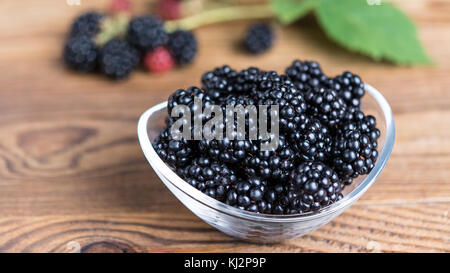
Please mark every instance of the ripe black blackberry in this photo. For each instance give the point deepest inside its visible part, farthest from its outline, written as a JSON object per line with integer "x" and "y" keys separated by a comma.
{"x": 354, "y": 150}
{"x": 274, "y": 165}
{"x": 249, "y": 195}
{"x": 176, "y": 153}
{"x": 306, "y": 75}
{"x": 326, "y": 105}
{"x": 251, "y": 82}
{"x": 227, "y": 150}
{"x": 147, "y": 33}
{"x": 187, "y": 97}
{"x": 118, "y": 59}
{"x": 316, "y": 184}
{"x": 256, "y": 83}
{"x": 81, "y": 53}
{"x": 289, "y": 100}
{"x": 87, "y": 24}
{"x": 311, "y": 140}
{"x": 259, "y": 38}
{"x": 183, "y": 46}
{"x": 218, "y": 82}
{"x": 350, "y": 87}
{"x": 212, "y": 178}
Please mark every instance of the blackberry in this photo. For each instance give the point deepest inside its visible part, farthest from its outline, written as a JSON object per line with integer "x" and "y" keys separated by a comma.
{"x": 176, "y": 153}
{"x": 186, "y": 97}
{"x": 274, "y": 165}
{"x": 316, "y": 184}
{"x": 118, "y": 59}
{"x": 183, "y": 46}
{"x": 355, "y": 147}
{"x": 289, "y": 100}
{"x": 326, "y": 105}
{"x": 87, "y": 24}
{"x": 311, "y": 140}
{"x": 147, "y": 33}
{"x": 306, "y": 75}
{"x": 249, "y": 195}
{"x": 252, "y": 83}
{"x": 228, "y": 151}
{"x": 213, "y": 178}
{"x": 81, "y": 53}
{"x": 259, "y": 38}
{"x": 350, "y": 87}
{"x": 218, "y": 82}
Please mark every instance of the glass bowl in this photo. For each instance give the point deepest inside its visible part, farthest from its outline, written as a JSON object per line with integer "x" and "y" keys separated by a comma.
{"x": 258, "y": 227}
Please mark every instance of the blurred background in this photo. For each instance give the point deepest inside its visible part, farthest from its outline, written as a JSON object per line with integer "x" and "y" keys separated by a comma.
{"x": 72, "y": 172}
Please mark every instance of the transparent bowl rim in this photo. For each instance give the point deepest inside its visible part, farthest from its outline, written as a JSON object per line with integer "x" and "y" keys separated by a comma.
{"x": 162, "y": 169}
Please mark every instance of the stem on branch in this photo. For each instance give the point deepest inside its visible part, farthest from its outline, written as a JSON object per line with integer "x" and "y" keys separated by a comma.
{"x": 224, "y": 14}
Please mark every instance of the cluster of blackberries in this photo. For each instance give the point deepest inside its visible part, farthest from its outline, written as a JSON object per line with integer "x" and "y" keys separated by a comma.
{"x": 145, "y": 41}
{"x": 325, "y": 140}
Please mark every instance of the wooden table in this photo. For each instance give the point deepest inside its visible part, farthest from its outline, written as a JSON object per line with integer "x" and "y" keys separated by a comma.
{"x": 71, "y": 169}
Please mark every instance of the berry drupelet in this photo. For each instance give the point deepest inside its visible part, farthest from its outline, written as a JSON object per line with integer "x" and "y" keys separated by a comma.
{"x": 259, "y": 38}
{"x": 118, "y": 59}
{"x": 81, "y": 53}
{"x": 147, "y": 33}
{"x": 183, "y": 46}
{"x": 87, "y": 24}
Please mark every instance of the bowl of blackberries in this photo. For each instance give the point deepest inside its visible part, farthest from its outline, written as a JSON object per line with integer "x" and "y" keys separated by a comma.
{"x": 334, "y": 136}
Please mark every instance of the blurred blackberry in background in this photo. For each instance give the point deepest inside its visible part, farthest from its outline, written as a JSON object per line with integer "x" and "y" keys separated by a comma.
{"x": 183, "y": 46}
{"x": 147, "y": 33}
{"x": 311, "y": 140}
{"x": 87, "y": 24}
{"x": 118, "y": 59}
{"x": 317, "y": 186}
{"x": 81, "y": 53}
{"x": 259, "y": 38}
{"x": 354, "y": 149}
{"x": 326, "y": 105}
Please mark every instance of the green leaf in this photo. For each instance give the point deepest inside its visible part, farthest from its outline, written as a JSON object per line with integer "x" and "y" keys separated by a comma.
{"x": 289, "y": 11}
{"x": 380, "y": 31}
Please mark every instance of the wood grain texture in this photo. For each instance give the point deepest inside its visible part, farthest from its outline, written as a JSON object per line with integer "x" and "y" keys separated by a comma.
{"x": 71, "y": 169}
